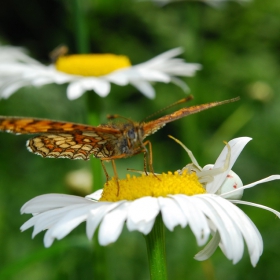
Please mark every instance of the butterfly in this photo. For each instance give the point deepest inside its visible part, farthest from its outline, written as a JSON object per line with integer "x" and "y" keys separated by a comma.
{"x": 58, "y": 139}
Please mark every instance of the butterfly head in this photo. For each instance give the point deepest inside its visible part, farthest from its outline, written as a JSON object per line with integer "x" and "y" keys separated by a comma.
{"x": 132, "y": 139}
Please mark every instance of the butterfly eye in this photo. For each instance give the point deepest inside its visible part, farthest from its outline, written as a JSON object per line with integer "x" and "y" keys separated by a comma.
{"x": 131, "y": 134}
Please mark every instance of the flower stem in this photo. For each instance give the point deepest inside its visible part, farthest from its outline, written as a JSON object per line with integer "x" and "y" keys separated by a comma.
{"x": 80, "y": 26}
{"x": 155, "y": 242}
{"x": 99, "y": 255}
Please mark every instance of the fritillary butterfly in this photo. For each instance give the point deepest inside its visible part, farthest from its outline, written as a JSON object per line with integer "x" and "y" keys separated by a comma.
{"x": 111, "y": 141}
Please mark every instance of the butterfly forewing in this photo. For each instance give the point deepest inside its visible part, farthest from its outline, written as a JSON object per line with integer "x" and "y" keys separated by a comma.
{"x": 22, "y": 125}
{"x": 64, "y": 139}
{"x": 153, "y": 126}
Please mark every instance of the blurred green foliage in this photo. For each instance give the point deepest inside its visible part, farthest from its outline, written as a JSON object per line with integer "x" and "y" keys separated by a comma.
{"x": 238, "y": 46}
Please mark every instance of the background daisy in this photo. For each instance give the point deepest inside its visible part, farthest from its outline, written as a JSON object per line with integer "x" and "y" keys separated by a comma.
{"x": 91, "y": 72}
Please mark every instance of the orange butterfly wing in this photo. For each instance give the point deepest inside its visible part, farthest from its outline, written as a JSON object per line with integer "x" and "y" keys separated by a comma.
{"x": 22, "y": 125}
{"x": 152, "y": 126}
{"x": 64, "y": 139}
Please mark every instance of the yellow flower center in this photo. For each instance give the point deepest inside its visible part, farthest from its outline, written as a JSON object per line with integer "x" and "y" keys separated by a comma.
{"x": 164, "y": 184}
{"x": 91, "y": 64}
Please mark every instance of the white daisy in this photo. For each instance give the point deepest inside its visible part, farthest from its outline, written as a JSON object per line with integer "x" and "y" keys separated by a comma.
{"x": 214, "y": 3}
{"x": 91, "y": 72}
{"x": 183, "y": 198}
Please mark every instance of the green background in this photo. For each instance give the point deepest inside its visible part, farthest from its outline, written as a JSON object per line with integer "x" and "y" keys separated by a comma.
{"x": 238, "y": 46}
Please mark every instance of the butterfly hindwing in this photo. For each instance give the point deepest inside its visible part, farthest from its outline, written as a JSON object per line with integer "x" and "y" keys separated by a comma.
{"x": 73, "y": 146}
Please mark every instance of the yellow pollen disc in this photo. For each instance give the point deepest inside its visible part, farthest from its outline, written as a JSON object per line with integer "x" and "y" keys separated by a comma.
{"x": 91, "y": 64}
{"x": 164, "y": 184}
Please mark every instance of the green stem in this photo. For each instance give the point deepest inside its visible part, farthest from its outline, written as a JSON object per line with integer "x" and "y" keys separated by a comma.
{"x": 99, "y": 254}
{"x": 80, "y": 26}
{"x": 155, "y": 242}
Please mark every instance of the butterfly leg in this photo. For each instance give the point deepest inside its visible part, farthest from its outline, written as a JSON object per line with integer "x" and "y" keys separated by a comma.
{"x": 148, "y": 153}
{"x": 147, "y": 157}
{"x": 116, "y": 176}
{"x": 145, "y": 162}
{"x": 150, "y": 156}
{"x": 105, "y": 171}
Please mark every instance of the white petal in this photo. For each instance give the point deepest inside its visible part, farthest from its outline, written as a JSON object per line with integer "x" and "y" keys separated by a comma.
{"x": 142, "y": 213}
{"x": 96, "y": 215}
{"x": 8, "y": 89}
{"x": 145, "y": 88}
{"x": 70, "y": 221}
{"x": 48, "y": 239}
{"x": 163, "y": 57}
{"x": 75, "y": 90}
{"x": 40, "y": 81}
{"x": 96, "y": 195}
{"x": 100, "y": 86}
{"x": 120, "y": 77}
{"x": 30, "y": 223}
{"x": 194, "y": 216}
{"x": 230, "y": 236}
{"x": 47, "y": 219}
{"x": 209, "y": 249}
{"x": 249, "y": 231}
{"x": 150, "y": 75}
{"x": 57, "y": 76}
{"x": 112, "y": 225}
{"x": 50, "y": 201}
{"x": 10, "y": 53}
{"x": 172, "y": 214}
{"x": 237, "y": 146}
{"x": 67, "y": 223}
{"x": 178, "y": 82}
{"x": 183, "y": 69}
{"x": 256, "y": 205}
{"x": 267, "y": 179}
{"x": 237, "y": 225}
{"x": 51, "y": 218}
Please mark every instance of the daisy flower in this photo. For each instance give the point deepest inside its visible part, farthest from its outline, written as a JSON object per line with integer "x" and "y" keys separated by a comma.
{"x": 91, "y": 72}
{"x": 203, "y": 198}
{"x": 214, "y": 3}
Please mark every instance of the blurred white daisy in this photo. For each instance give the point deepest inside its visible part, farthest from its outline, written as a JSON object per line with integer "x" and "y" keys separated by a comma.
{"x": 91, "y": 72}
{"x": 194, "y": 197}
{"x": 214, "y": 3}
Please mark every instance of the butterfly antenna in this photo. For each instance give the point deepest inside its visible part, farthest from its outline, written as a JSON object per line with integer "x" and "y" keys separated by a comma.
{"x": 116, "y": 116}
{"x": 184, "y": 100}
